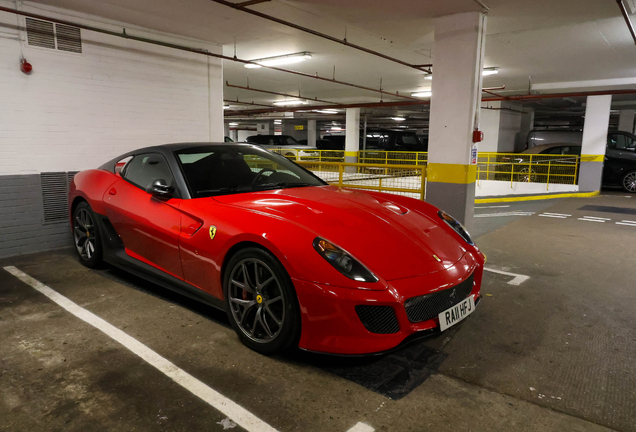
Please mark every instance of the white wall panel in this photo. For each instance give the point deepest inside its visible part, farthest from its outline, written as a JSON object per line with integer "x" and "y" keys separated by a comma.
{"x": 76, "y": 111}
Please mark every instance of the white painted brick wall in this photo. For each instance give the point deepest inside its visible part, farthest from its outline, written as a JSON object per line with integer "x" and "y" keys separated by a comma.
{"x": 76, "y": 111}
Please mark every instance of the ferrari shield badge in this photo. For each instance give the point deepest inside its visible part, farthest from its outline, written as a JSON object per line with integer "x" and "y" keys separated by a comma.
{"x": 434, "y": 256}
{"x": 212, "y": 232}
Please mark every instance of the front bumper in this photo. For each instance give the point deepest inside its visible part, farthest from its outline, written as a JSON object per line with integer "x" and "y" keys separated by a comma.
{"x": 330, "y": 323}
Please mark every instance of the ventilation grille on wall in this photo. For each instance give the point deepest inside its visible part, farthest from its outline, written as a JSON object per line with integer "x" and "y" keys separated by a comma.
{"x": 55, "y": 195}
{"x": 45, "y": 34}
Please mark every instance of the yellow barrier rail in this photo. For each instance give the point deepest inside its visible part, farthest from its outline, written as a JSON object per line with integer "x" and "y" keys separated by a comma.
{"x": 511, "y": 167}
{"x": 528, "y": 168}
{"x": 409, "y": 180}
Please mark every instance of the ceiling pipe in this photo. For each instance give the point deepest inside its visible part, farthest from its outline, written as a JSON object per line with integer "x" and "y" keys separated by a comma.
{"x": 279, "y": 94}
{"x": 246, "y": 103}
{"x": 241, "y": 7}
{"x": 204, "y": 52}
{"x": 630, "y": 26}
{"x": 424, "y": 102}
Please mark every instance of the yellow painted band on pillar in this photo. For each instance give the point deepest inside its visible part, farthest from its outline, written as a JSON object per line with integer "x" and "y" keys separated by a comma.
{"x": 351, "y": 154}
{"x": 537, "y": 197}
{"x": 592, "y": 158}
{"x": 451, "y": 173}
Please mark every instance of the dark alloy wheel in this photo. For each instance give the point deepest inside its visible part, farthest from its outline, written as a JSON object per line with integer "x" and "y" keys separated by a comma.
{"x": 261, "y": 301}
{"x": 629, "y": 181}
{"x": 86, "y": 236}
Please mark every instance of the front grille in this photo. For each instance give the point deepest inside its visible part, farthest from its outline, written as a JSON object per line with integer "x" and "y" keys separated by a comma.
{"x": 378, "y": 319}
{"x": 429, "y": 306}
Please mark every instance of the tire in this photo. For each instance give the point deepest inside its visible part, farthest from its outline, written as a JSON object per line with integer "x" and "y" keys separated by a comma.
{"x": 86, "y": 237}
{"x": 526, "y": 175}
{"x": 628, "y": 182}
{"x": 261, "y": 301}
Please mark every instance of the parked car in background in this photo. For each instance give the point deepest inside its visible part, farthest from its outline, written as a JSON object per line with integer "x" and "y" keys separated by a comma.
{"x": 280, "y": 143}
{"x": 228, "y": 139}
{"x": 619, "y": 167}
{"x": 379, "y": 139}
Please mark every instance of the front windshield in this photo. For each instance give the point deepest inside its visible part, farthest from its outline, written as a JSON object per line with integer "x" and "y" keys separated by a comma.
{"x": 226, "y": 169}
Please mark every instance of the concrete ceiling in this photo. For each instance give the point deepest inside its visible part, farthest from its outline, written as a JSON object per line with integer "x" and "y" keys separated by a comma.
{"x": 552, "y": 41}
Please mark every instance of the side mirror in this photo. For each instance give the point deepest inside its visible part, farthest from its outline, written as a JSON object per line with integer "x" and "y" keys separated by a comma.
{"x": 160, "y": 189}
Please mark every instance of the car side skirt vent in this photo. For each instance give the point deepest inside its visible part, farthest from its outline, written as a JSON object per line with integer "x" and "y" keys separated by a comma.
{"x": 426, "y": 307}
{"x": 378, "y": 319}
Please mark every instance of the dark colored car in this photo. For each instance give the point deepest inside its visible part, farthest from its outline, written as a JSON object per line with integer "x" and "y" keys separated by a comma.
{"x": 274, "y": 141}
{"x": 619, "y": 168}
{"x": 380, "y": 139}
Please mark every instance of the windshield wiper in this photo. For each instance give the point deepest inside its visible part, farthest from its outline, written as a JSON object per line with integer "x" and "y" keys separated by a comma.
{"x": 282, "y": 183}
{"x": 219, "y": 190}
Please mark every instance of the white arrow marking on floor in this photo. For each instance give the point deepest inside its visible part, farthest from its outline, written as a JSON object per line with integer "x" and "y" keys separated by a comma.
{"x": 237, "y": 413}
{"x": 518, "y": 278}
{"x": 361, "y": 427}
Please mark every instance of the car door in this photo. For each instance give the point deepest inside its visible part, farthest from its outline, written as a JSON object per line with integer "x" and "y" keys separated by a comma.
{"x": 619, "y": 157}
{"x": 149, "y": 227}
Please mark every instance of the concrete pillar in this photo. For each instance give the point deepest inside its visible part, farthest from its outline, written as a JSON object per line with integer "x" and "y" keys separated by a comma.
{"x": 626, "y": 121}
{"x": 458, "y": 53}
{"x": 352, "y": 138}
{"x": 527, "y": 124}
{"x": 215, "y": 99}
{"x": 597, "y": 114}
{"x": 311, "y": 133}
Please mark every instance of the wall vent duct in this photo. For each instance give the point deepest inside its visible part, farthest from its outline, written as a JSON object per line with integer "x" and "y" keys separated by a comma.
{"x": 45, "y": 34}
{"x": 55, "y": 187}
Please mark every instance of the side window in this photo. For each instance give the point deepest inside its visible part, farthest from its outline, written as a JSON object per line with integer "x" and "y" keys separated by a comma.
{"x": 144, "y": 169}
{"x": 617, "y": 141}
{"x": 630, "y": 143}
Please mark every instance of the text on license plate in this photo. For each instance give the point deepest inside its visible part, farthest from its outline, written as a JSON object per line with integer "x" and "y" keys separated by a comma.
{"x": 456, "y": 313}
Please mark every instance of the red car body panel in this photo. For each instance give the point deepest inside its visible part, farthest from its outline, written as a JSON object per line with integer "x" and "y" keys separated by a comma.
{"x": 393, "y": 236}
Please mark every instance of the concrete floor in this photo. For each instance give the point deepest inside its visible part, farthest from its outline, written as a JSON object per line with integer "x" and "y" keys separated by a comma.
{"x": 554, "y": 353}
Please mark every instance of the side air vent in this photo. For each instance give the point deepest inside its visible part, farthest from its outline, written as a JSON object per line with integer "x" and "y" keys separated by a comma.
{"x": 378, "y": 319}
{"x": 55, "y": 195}
{"x": 68, "y": 38}
{"x": 45, "y": 34}
{"x": 40, "y": 33}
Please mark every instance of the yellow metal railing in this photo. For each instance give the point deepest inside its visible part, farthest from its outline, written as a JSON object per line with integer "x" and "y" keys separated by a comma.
{"x": 409, "y": 180}
{"x": 529, "y": 168}
{"x": 510, "y": 167}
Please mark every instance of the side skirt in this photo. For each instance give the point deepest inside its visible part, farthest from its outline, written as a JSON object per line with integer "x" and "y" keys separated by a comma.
{"x": 115, "y": 254}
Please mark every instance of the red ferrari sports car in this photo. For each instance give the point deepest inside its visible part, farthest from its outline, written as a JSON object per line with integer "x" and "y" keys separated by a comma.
{"x": 292, "y": 260}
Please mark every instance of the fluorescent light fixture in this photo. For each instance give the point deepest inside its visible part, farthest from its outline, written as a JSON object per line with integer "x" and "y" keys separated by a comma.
{"x": 226, "y": 107}
{"x": 398, "y": 118}
{"x": 327, "y": 111}
{"x": 336, "y": 129}
{"x": 490, "y": 71}
{"x": 279, "y": 60}
{"x": 233, "y": 124}
{"x": 290, "y": 102}
{"x": 426, "y": 93}
{"x": 428, "y": 77}
{"x": 278, "y": 122}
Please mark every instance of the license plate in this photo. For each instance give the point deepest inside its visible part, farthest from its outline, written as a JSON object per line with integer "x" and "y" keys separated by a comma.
{"x": 453, "y": 315}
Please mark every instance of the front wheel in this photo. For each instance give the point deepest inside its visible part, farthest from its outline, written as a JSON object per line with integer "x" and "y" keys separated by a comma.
{"x": 261, "y": 301}
{"x": 629, "y": 181}
{"x": 86, "y": 236}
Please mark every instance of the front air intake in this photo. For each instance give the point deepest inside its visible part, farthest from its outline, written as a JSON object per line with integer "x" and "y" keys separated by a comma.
{"x": 378, "y": 319}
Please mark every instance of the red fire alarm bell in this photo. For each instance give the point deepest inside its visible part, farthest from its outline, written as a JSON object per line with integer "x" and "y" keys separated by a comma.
{"x": 478, "y": 136}
{"x": 25, "y": 66}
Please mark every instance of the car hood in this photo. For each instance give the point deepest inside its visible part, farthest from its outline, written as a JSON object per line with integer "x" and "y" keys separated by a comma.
{"x": 393, "y": 241}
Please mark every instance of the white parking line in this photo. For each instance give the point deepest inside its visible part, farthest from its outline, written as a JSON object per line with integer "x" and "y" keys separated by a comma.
{"x": 237, "y": 413}
{"x": 626, "y": 223}
{"x": 553, "y": 216}
{"x": 594, "y": 217}
{"x": 503, "y": 206}
{"x": 589, "y": 219}
{"x": 504, "y": 214}
{"x": 361, "y": 427}
{"x": 518, "y": 278}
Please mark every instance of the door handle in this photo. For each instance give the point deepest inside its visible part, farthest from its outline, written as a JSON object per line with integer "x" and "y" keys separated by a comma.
{"x": 112, "y": 191}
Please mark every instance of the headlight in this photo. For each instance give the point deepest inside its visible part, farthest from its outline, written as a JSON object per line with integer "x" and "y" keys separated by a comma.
{"x": 343, "y": 262}
{"x": 455, "y": 225}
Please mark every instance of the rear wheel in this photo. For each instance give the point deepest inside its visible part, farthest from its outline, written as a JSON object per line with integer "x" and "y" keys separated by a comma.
{"x": 629, "y": 181}
{"x": 86, "y": 236}
{"x": 261, "y": 301}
